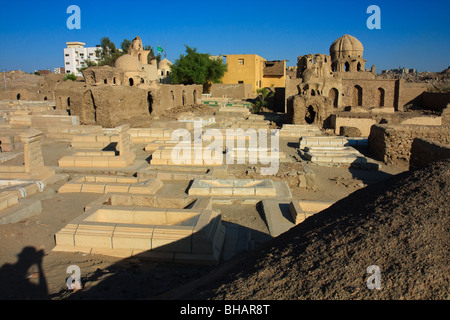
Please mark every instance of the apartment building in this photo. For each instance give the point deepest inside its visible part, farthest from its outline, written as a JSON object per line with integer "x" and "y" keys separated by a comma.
{"x": 75, "y": 56}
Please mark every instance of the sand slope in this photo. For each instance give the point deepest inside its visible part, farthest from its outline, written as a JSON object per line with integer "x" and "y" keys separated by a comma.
{"x": 401, "y": 226}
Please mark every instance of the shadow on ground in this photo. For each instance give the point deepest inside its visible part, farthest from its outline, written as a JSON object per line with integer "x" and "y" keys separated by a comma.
{"x": 139, "y": 278}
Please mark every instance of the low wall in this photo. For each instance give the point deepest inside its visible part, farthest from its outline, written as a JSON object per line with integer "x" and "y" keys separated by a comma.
{"x": 392, "y": 143}
{"x": 233, "y": 91}
{"x": 364, "y": 121}
{"x": 425, "y": 151}
{"x": 69, "y": 131}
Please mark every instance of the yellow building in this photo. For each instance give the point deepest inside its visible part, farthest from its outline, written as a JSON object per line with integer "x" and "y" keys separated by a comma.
{"x": 255, "y": 70}
{"x": 274, "y": 74}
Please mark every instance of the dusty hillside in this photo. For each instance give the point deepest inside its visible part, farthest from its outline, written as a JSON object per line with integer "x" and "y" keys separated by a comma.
{"x": 401, "y": 226}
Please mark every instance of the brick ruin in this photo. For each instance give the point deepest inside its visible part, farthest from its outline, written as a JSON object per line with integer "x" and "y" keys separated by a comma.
{"x": 113, "y": 105}
{"x": 323, "y": 86}
{"x": 131, "y": 90}
{"x": 148, "y": 204}
{"x": 392, "y": 143}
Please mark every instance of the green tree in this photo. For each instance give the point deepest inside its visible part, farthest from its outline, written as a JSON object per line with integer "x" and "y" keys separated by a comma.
{"x": 197, "y": 68}
{"x": 71, "y": 76}
{"x": 261, "y": 101}
{"x": 109, "y": 53}
{"x": 125, "y": 45}
{"x": 151, "y": 56}
{"x": 88, "y": 63}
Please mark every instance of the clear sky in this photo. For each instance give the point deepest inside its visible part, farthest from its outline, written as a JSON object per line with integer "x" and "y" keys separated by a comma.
{"x": 413, "y": 34}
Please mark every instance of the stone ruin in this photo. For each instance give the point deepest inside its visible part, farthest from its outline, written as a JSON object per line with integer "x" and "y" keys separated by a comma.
{"x": 150, "y": 206}
{"x": 19, "y": 182}
{"x": 335, "y": 91}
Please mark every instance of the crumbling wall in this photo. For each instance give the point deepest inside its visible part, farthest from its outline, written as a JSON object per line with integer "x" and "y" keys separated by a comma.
{"x": 98, "y": 75}
{"x": 364, "y": 120}
{"x": 446, "y": 116}
{"x": 374, "y": 93}
{"x": 232, "y": 91}
{"x": 177, "y": 95}
{"x": 425, "y": 151}
{"x": 392, "y": 143}
{"x": 112, "y": 106}
{"x": 309, "y": 109}
{"x": 107, "y": 106}
{"x": 29, "y": 87}
{"x": 69, "y": 97}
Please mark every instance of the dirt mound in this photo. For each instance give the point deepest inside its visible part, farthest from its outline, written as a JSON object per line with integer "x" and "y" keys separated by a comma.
{"x": 401, "y": 226}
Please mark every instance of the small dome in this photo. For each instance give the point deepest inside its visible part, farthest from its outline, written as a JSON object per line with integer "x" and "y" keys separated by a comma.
{"x": 345, "y": 46}
{"x": 128, "y": 63}
{"x": 164, "y": 64}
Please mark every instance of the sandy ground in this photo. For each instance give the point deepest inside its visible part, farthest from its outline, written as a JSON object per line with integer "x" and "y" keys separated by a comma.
{"x": 35, "y": 271}
{"x": 388, "y": 241}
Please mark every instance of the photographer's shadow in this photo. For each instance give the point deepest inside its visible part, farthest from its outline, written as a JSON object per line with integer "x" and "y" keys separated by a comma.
{"x": 16, "y": 281}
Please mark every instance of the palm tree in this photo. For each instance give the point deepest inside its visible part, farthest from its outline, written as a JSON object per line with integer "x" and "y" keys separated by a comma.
{"x": 261, "y": 102}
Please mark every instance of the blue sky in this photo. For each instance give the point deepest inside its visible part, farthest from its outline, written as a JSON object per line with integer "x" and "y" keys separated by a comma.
{"x": 414, "y": 34}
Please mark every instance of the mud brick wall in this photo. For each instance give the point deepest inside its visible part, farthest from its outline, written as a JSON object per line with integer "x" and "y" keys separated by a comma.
{"x": 364, "y": 121}
{"x": 424, "y": 151}
{"x": 392, "y": 143}
{"x": 446, "y": 116}
{"x": 234, "y": 91}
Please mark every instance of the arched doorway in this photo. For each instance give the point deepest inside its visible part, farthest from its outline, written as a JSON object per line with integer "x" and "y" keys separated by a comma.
{"x": 89, "y": 109}
{"x": 68, "y": 106}
{"x": 334, "y": 67}
{"x": 18, "y": 96}
{"x": 381, "y": 95}
{"x": 310, "y": 115}
{"x": 334, "y": 96}
{"x": 131, "y": 81}
{"x": 172, "y": 99}
{"x": 150, "y": 103}
{"x": 357, "y": 96}
{"x": 358, "y": 66}
{"x": 347, "y": 66}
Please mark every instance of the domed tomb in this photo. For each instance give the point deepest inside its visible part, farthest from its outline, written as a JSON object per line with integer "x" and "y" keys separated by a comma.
{"x": 347, "y": 54}
{"x": 128, "y": 63}
{"x": 346, "y": 46}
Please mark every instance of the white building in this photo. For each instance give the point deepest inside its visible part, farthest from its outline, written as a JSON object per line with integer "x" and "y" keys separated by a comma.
{"x": 75, "y": 55}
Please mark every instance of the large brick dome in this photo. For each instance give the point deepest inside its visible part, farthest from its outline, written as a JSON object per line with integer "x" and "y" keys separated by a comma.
{"x": 346, "y": 46}
{"x": 128, "y": 63}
